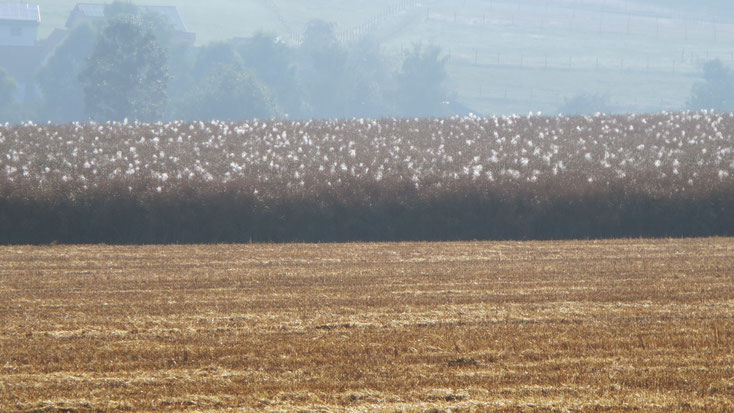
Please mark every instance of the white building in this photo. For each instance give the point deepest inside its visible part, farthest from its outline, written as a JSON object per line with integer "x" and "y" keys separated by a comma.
{"x": 19, "y": 24}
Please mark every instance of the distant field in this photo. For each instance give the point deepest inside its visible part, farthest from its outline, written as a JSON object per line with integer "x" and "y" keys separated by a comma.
{"x": 596, "y": 326}
{"x": 224, "y": 19}
{"x": 506, "y": 57}
{"x": 513, "y": 57}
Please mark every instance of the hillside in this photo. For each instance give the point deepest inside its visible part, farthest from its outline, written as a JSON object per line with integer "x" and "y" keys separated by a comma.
{"x": 506, "y": 57}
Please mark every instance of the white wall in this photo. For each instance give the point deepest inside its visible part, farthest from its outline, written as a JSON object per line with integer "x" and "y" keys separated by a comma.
{"x": 14, "y": 34}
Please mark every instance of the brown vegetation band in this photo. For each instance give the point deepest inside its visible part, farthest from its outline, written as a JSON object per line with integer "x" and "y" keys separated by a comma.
{"x": 390, "y": 179}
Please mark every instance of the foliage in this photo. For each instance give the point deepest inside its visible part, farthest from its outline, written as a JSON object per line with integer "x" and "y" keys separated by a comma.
{"x": 9, "y": 105}
{"x": 430, "y": 179}
{"x": 421, "y": 82}
{"x": 229, "y": 92}
{"x": 340, "y": 81}
{"x": 126, "y": 75}
{"x": 370, "y": 81}
{"x": 323, "y": 71}
{"x": 716, "y": 91}
{"x": 134, "y": 69}
{"x": 211, "y": 57}
{"x": 120, "y": 8}
{"x": 219, "y": 86}
{"x": 63, "y": 98}
{"x": 586, "y": 104}
{"x": 274, "y": 64}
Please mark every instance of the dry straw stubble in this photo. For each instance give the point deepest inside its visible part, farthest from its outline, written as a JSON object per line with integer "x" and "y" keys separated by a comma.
{"x": 608, "y": 325}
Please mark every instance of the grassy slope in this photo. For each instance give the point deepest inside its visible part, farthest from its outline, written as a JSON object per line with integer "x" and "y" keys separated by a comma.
{"x": 504, "y": 58}
{"x": 598, "y": 326}
{"x": 541, "y": 55}
{"x": 223, "y": 19}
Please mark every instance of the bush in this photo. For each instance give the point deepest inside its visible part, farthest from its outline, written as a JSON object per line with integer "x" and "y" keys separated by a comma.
{"x": 369, "y": 180}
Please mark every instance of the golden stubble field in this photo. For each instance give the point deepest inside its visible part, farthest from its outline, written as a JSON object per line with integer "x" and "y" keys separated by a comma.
{"x": 550, "y": 326}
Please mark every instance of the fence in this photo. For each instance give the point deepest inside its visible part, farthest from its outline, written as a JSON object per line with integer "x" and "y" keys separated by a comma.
{"x": 577, "y": 35}
{"x": 349, "y": 35}
{"x": 578, "y": 17}
{"x": 290, "y": 35}
{"x": 377, "y": 21}
{"x": 687, "y": 61}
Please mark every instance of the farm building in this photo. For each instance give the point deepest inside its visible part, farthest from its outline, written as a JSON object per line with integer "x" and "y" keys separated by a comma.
{"x": 91, "y": 12}
{"x": 20, "y": 51}
{"x": 19, "y": 24}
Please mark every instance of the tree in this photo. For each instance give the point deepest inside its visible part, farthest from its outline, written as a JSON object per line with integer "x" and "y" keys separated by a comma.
{"x": 368, "y": 81}
{"x": 213, "y": 56}
{"x": 421, "y": 89}
{"x": 187, "y": 85}
{"x": 323, "y": 72}
{"x": 9, "y": 106}
{"x": 157, "y": 23}
{"x": 63, "y": 98}
{"x": 586, "y": 103}
{"x": 717, "y": 89}
{"x": 274, "y": 63}
{"x": 126, "y": 75}
{"x": 341, "y": 81}
{"x": 120, "y": 8}
{"x": 229, "y": 92}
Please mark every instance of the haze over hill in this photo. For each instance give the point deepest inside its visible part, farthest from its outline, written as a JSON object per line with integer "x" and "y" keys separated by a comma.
{"x": 503, "y": 56}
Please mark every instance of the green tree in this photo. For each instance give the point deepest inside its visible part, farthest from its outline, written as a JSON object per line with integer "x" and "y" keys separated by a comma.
{"x": 421, "y": 82}
{"x": 323, "y": 72}
{"x": 120, "y": 9}
{"x": 9, "y": 106}
{"x": 274, "y": 63}
{"x": 341, "y": 81}
{"x": 213, "y": 56}
{"x": 191, "y": 72}
{"x": 229, "y": 92}
{"x": 126, "y": 76}
{"x": 586, "y": 104}
{"x": 155, "y": 22}
{"x": 717, "y": 89}
{"x": 58, "y": 79}
{"x": 369, "y": 81}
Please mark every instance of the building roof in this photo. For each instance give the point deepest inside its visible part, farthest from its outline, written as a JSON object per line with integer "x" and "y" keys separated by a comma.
{"x": 91, "y": 10}
{"x": 96, "y": 11}
{"x": 22, "y": 12}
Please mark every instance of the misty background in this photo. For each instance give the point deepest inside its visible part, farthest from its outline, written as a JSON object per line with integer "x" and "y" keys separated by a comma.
{"x": 61, "y": 61}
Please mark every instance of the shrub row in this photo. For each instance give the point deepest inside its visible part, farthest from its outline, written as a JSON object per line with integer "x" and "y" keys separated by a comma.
{"x": 359, "y": 212}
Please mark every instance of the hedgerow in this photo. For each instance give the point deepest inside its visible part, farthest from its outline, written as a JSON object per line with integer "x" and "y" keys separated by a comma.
{"x": 531, "y": 177}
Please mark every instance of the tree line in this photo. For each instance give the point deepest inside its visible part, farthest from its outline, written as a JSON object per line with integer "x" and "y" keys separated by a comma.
{"x": 131, "y": 67}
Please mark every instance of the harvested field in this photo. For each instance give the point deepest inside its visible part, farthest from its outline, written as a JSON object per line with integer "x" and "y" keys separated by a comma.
{"x": 595, "y": 325}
